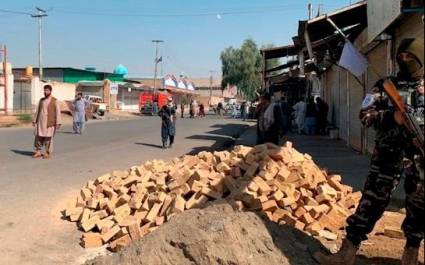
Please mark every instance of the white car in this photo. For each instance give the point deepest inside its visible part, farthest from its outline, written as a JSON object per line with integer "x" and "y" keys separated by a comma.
{"x": 98, "y": 103}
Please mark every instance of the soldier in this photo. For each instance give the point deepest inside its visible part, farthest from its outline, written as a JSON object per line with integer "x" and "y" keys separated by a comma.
{"x": 392, "y": 158}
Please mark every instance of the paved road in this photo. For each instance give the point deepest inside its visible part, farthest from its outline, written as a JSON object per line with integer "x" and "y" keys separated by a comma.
{"x": 32, "y": 192}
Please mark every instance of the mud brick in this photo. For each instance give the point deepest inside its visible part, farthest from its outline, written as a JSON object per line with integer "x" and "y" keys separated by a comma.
{"x": 128, "y": 221}
{"x": 286, "y": 201}
{"x": 293, "y": 177}
{"x": 307, "y": 157}
{"x": 278, "y": 195}
{"x": 136, "y": 200}
{"x": 331, "y": 223}
{"x": 263, "y": 188}
{"x": 278, "y": 214}
{"x": 327, "y": 235}
{"x": 253, "y": 186}
{"x": 103, "y": 178}
{"x": 269, "y": 215}
{"x": 140, "y": 215}
{"x": 325, "y": 189}
{"x": 123, "y": 190}
{"x": 289, "y": 219}
{"x": 166, "y": 205}
{"x": 93, "y": 240}
{"x": 120, "y": 243}
{"x": 120, "y": 174}
{"x": 179, "y": 204}
{"x": 201, "y": 174}
{"x": 316, "y": 211}
{"x": 305, "y": 193}
{"x": 306, "y": 219}
{"x": 120, "y": 213}
{"x": 85, "y": 215}
{"x": 223, "y": 167}
{"x": 159, "y": 220}
{"x": 334, "y": 183}
{"x": 190, "y": 161}
{"x": 243, "y": 151}
{"x": 296, "y": 195}
{"x": 73, "y": 211}
{"x": 337, "y": 178}
{"x": 252, "y": 169}
{"x": 196, "y": 200}
{"x": 123, "y": 199}
{"x": 86, "y": 194}
{"x": 105, "y": 224}
{"x": 145, "y": 205}
{"x": 153, "y": 213}
{"x": 108, "y": 191}
{"x": 135, "y": 232}
{"x": 92, "y": 203}
{"x": 211, "y": 193}
{"x": 311, "y": 202}
{"x": 300, "y": 211}
{"x": 287, "y": 188}
{"x": 101, "y": 213}
{"x": 283, "y": 174}
{"x": 269, "y": 205}
{"x": 263, "y": 198}
{"x": 323, "y": 198}
{"x": 314, "y": 228}
{"x": 393, "y": 232}
{"x": 89, "y": 224}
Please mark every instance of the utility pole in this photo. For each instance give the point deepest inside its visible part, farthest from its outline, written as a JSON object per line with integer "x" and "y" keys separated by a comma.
{"x": 211, "y": 83}
{"x": 5, "y": 81}
{"x": 310, "y": 11}
{"x": 157, "y": 42}
{"x": 40, "y": 14}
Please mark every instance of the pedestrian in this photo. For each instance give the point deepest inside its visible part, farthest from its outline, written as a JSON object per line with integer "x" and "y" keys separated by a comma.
{"x": 168, "y": 126}
{"x": 155, "y": 107}
{"x": 260, "y": 110}
{"x": 234, "y": 110}
{"x": 322, "y": 115}
{"x": 182, "y": 109}
{"x": 46, "y": 121}
{"x": 273, "y": 124}
{"x": 79, "y": 113}
{"x": 395, "y": 155}
{"x": 201, "y": 110}
{"x": 219, "y": 109}
{"x": 310, "y": 117}
{"x": 299, "y": 111}
{"x": 192, "y": 109}
{"x": 286, "y": 115}
{"x": 243, "y": 110}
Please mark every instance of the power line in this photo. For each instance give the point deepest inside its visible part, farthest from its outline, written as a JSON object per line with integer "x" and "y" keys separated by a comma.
{"x": 15, "y": 12}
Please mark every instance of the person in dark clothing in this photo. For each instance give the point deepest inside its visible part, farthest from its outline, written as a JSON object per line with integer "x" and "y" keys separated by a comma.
{"x": 322, "y": 115}
{"x": 201, "y": 111}
{"x": 311, "y": 117}
{"x": 182, "y": 110}
{"x": 168, "y": 127}
{"x": 286, "y": 116}
{"x": 261, "y": 109}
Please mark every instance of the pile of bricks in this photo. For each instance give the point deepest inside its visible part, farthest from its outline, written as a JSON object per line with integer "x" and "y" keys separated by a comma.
{"x": 286, "y": 185}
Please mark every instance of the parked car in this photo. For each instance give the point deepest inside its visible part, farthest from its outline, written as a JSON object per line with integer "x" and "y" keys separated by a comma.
{"x": 98, "y": 106}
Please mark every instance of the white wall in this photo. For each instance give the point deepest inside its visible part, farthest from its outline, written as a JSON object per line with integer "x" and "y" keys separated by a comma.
{"x": 9, "y": 92}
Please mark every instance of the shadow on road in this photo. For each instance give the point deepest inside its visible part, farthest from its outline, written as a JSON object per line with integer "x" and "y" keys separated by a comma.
{"x": 65, "y": 132}
{"x": 22, "y": 152}
{"x": 150, "y": 145}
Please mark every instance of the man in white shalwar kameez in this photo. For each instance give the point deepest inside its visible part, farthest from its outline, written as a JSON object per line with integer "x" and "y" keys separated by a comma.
{"x": 299, "y": 110}
{"x": 46, "y": 121}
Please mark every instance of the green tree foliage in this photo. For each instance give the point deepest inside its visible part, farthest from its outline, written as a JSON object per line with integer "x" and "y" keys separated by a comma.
{"x": 243, "y": 67}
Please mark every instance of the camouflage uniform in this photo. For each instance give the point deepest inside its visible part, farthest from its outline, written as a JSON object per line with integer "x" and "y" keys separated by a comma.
{"x": 392, "y": 158}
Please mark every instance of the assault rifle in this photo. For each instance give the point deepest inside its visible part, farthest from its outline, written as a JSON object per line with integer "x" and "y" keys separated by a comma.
{"x": 409, "y": 122}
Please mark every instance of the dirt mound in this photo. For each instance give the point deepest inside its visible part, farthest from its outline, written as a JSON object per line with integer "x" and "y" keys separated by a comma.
{"x": 218, "y": 234}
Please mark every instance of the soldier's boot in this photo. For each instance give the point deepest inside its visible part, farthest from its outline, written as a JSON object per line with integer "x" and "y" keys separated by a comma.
{"x": 410, "y": 256}
{"x": 37, "y": 154}
{"x": 345, "y": 256}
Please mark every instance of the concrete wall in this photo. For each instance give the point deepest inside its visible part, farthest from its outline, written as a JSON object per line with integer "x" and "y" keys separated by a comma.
{"x": 9, "y": 92}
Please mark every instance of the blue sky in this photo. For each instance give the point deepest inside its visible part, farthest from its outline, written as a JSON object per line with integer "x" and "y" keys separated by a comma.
{"x": 105, "y": 33}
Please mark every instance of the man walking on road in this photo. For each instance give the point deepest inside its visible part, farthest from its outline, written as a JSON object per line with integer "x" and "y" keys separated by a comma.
{"x": 79, "y": 106}
{"x": 46, "y": 121}
{"x": 395, "y": 155}
{"x": 168, "y": 127}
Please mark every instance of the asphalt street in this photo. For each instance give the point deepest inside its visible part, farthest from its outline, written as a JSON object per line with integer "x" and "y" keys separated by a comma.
{"x": 33, "y": 191}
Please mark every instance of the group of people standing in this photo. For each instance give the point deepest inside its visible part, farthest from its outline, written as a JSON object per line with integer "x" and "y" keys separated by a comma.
{"x": 311, "y": 117}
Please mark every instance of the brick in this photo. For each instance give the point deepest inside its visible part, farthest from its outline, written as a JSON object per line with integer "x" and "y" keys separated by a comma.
{"x": 331, "y": 223}
{"x": 269, "y": 205}
{"x": 159, "y": 220}
{"x": 306, "y": 219}
{"x": 120, "y": 213}
{"x": 103, "y": 178}
{"x": 128, "y": 221}
{"x": 89, "y": 224}
{"x": 153, "y": 213}
{"x": 316, "y": 211}
{"x": 94, "y": 240}
{"x": 105, "y": 223}
{"x": 311, "y": 202}
{"x": 166, "y": 205}
{"x": 283, "y": 174}
{"x": 230, "y": 183}
{"x": 223, "y": 167}
{"x": 85, "y": 194}
{"x": 211, "y": 193}
{"x": 120, "y": 243}
{"x": 196, "y": 200}
{"x": 179, "y": 204}
{"x": 73, "y": 211}
{"x": 110, "y": 233}
{"x": 328, "y": 235}
{"x": 279, "y": 214}
{"x": 314, "y": 228}
{"x": 286, "y": 201}
{"x": 278, "y": 195}
{"x": 393, "y": 232}
{"x": 325, "y": 189}
{"x": 300, "y": 211}
{"x": 102, "y": 214}
{"x": 236, "y": 172}
{"x": 263, "y": 188}
{"x": 253, "y": 186}
{"x": 276, "y": 153}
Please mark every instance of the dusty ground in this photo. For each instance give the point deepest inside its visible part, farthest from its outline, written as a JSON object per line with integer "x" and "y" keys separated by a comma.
{"x": 220, "y": 235}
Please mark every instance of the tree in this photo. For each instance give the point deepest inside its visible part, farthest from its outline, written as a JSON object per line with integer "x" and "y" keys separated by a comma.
{"x": 243, "y": 67}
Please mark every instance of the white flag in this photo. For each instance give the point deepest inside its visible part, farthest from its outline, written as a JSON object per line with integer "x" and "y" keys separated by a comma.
{"x": 352, "y": 60}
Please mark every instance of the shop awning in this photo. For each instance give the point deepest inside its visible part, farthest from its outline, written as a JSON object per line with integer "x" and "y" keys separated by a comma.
{"x": 279, "y": 52}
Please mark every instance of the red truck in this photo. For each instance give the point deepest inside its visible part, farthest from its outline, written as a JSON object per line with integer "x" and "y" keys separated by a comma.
{"x": 147, "y": 100}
